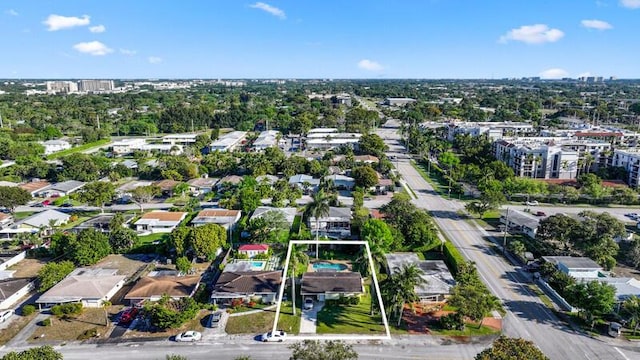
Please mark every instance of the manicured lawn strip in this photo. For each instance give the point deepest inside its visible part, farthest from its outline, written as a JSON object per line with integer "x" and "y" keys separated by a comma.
{"x": 263, "y": 321}
{"x": 243, "y": 308}
{"x": 22, "y": 215}
{"x": 148, "y": 239}
{"x": 79, "y": 148}
{"x": 437, "y": 182}
{"x": 71, "y": 225}
{"x": 544, "y": 298}
{"x": 350, "y": 319}
{"x": 469, "y": 330}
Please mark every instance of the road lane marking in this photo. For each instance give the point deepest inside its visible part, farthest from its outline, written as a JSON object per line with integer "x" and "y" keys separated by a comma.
{"x": 621, "y": 353}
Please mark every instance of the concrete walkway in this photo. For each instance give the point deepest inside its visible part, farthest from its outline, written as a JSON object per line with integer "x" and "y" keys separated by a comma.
{"x": 309, "y": 319}
{"x": 21, "y": 338}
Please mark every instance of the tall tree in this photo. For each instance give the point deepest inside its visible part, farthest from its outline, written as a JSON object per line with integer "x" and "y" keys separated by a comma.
{"x": 52, "y": 273}
{"x": 631, "y": 306}
{"x": 505, "y": 348}
{"x": 12, "y": 196}
{"x": 97, "y": 193}
{"x": 317, "y": 208}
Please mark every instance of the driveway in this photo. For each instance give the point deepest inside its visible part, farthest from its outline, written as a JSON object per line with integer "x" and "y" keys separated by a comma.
{"x": 21, "y": 338}
{"x": 309, "y": 318}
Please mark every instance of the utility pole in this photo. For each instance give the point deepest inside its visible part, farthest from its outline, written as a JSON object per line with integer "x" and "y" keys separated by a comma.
{"x": 504, "y": 233}
{"x": 1, "y": 124}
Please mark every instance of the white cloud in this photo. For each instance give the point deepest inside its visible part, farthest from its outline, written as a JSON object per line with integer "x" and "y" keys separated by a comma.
{"x": 154, "y": 60}
{"x": 270, "y": 9}
{"x": 369, "y": 65}
{"x": 95, "y": 48}
{"x": 631, "y": 4}
{"x": 128, "y": 52}
{"x": 98, "y": 29}
{"x": 554, "y": 73}
{"x": 596, "y": 24}
{"x": 11, "y": 12}
{"x": 58, "y": 22}
{"x": 532, "y": 34}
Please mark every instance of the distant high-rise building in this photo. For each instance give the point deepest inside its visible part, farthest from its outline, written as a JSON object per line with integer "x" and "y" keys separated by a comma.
{"x": 62, "y": 87}
{"x": 95, "y": 85}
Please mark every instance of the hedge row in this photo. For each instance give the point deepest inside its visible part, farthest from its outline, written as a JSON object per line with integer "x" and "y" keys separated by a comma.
{"x": 452, "y": 257}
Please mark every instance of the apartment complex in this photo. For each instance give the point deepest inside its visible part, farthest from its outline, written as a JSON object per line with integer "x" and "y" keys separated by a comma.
{"x": 228, "y": 142}
{"x": 494, "y": 130}
{"x": 95, "y": 85}
{"x": 330, "y": 138}
{"x": 65, "y": 87}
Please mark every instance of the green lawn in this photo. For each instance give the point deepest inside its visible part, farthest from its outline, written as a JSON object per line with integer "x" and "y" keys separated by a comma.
{"x": 544, "y": 298}
{"x": 350, "y": 319}
{"x": 469, "y": 330}
{"x": 263, "y": 321}
{"x": 22, "y": 215}
{"x": 79, "y": 148}
{"x": 80, "y": 220}
{"x": 148, "y": 239}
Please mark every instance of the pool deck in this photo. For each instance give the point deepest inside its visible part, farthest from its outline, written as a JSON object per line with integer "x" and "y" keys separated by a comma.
{"x": 347, "y": 263}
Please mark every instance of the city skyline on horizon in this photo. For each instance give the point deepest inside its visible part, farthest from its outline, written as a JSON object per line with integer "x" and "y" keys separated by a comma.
{"x": 289, "y": 40}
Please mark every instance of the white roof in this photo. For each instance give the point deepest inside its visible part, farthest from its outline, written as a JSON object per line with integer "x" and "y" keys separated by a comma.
{"x": 83, "y": 283}
{"x": 289, "y": 213}
{"x": 43, "y": 218}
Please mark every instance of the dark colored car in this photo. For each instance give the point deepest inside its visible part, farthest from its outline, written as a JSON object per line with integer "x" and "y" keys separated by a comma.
{"x": 540, "y": 213}
{"x": 128, "y": 315}
{"x": 66, "y": 205}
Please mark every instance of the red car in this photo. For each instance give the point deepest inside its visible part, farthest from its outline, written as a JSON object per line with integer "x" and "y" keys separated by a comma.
{"x": 46, "y": 202}
{"x": 128, "y": 315}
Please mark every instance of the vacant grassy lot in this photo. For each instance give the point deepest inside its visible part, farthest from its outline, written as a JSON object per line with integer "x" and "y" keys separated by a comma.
{"x": 350, "y": 319}
{"x": 27, "y": 268}
{"x": 263, "y": 321}
{"x": 126, "y": 264}
{"x": 79, "y": 148}
{"x": 70, "y": 329}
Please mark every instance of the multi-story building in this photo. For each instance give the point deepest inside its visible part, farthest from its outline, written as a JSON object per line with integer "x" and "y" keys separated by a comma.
{"x": 630, "y": 160}
{"x": 494, "y": 130}
{"x": 179, "y": 139}
{"x": 65, "y": 87}
{"x": 550, "y": 158}
{"x": 127, "y": 146}
{"x": 95, "y": 85}
{"x": 329, "y": 138}
{"x": 398, "y": 101}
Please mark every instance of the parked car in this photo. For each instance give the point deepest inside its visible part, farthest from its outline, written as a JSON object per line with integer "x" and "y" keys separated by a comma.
{"x": 531, "y": 203}
{"x": 308, "y": 304}
{"x": 540, "y": 213}
{"x": 188, "y": 336}
{"x": 128, "y": 315}
{"x": 46, "y": 203}
{"x": 66, "y": 205}
{"x": 633, "y": 216}
{"x": 37, "y": 205}
{"x": 278, "y": 336}
{"x": 5, "y": 315}
{"x": 216, "y": 316}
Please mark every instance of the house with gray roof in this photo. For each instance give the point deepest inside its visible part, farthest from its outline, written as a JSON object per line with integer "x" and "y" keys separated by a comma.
{"x": 576, "y": 266}
{"x": 438, "y": 280}
{"x": 341, "y": 182}
{"x": 63, "y": 188}
{"x": 44, "y": 219}
{"x": 331, "y": 285}
{"x": 14, "y": 289}
{"x": 289, "y": 213}
{"x": 520, "y": 222}
{"x": 304, "y": 182}
{"x": 335, "y": 225}
{"x": 90, "y": 287}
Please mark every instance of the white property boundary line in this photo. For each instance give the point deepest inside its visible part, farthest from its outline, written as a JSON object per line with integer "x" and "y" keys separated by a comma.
{"x": 375, "y": 283}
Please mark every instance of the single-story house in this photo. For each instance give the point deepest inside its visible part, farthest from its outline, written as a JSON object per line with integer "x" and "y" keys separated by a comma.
{"x": 202, "y": 185}
{"x": 101, "y": 223}
{"x": 288, "y": 212}
{"x": 223, "y": 217}
{"x": 366, "y": 159}
{"x": 252, "y": 250}
{"x": 6, "y": 220}
{"x": 55, "y": 145}
{"x": 520, "y": 222}
{"x": 63, "y": 188}
{"x": 437, "y": 277}
{"x": 130, "y": 164}
{"x": 341, "y": 182}
{"x": 154, "y": 287}
{"x": 167, "y": 186}
{"x": 267, "y": 179}
{"x": 331, "y": 285}
{"x": 304, "y": 182}
{"x": 335, "y": 225}
{"x": 43, "y": 219}
{"x": 625, "y": 287}
{"x": 249, "y": 285}
{"x": 91, "y": 287}
{"x": 14, "y": 289}
{"x": 227, "y": 181}
{"x": 577, "y": 267}
{"x": 159, "y": 221}
{"x": 383, "y": 186}
{"x": 35, "y": 186}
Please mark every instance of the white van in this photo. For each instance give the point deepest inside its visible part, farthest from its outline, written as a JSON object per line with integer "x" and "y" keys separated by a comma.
{"x": 5, "y": 315}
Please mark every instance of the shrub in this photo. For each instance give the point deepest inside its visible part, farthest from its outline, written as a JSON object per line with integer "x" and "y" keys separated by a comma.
{"x": 453, "y": 321}
{"x": 452, "y": 257}
{"x": 45, "y": 322}
{"x": 28, "y": 310}
{"x": 236, "y": 303}
{"x": 88, "y": 334}
{"x": 66, "y": 309}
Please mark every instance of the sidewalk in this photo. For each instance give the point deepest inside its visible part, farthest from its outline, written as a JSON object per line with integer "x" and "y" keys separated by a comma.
{"x": 21, "y": 338}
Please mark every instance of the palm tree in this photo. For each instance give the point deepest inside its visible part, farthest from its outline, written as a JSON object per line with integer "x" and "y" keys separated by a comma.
{"x": 298, "y": 256}
{"x": 317, "y": 208}
{"x": 105, "y": 307}
{"x": 400, "y": 288}
{"x": 632, "y": 306}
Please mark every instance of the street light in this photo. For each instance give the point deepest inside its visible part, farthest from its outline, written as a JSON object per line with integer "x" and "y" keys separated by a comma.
{"x": 505, "y": 227}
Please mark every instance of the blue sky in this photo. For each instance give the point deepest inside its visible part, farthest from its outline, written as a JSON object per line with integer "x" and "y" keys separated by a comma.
{"x": 319, "y": 39}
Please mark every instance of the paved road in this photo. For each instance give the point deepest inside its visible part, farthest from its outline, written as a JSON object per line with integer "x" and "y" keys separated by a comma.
{"x": 617, "y": 212}
{"x": 526, "y": 316}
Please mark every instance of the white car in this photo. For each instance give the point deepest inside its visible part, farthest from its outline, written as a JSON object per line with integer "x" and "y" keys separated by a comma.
{"x": 308, "y": 304}
{"x": 278, "y": 336}
{"x": 5, "y": 315}
{"x": 531, "y": 203}
{"x": 189, "y": 336}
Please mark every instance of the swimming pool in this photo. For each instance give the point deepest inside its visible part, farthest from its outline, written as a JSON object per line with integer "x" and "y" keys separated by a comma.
{"x": 327, "y": 266}
{"x": 257, "y": 265}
